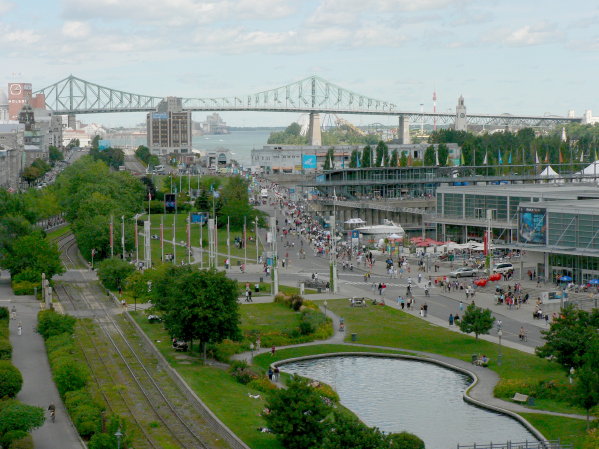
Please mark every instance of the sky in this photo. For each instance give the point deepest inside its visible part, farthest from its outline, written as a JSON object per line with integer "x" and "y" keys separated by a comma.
{"x": 503, "y": 56}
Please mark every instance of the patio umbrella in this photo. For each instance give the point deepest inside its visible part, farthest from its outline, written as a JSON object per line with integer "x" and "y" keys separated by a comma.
{"x": 565, "y": 279}
{"x": 594, "y": 282}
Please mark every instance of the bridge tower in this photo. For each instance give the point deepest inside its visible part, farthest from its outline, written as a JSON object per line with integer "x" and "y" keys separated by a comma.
{"x": 403, "y": 131}
{"x": 314, "y": 136}
{"x": 461, "y": 123}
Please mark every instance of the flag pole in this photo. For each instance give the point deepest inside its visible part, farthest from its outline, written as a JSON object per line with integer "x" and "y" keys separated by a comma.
{"x": 245, "y": 247}
{"x": 162, "y": 238}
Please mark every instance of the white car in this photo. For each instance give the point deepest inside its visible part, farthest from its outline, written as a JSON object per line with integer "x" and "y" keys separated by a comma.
{"x": 503, "y": 268}
{"x": 463, "y": 272}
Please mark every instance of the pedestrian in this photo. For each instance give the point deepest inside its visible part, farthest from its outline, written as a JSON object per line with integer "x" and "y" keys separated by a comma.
{"x": 461, "y": 306}
{"x": 425, "y": 308}
{"x": 13, "y": 313}
{"x": 20, "y": 327}
{"x": 403, "y": 302}
{"x": 270, "y": 374}
{"x": 451, "y": 319}
{"x": 258, "y": 343}
{"x": 272, "y": 351}
{"x": 250, "y": 296}
{"x": 276, "y": 374}
{"x": 247, "y": 294}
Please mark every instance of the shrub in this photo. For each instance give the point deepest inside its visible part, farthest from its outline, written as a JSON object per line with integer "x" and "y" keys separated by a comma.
{"x": 28, "y": 276}
{"x": 225, "y": 349}
{"x": 113, "y": 272}
{"x": 101, "y": 441}
{"x": 280, "y": 298}
{"x": 262, "y": 384}
{"x": 406, "y": 440}
{"x": 60, "y": 341}
{"x": 25, "y": 288}
{"x": 51, "y": 323}
{"x": 11, "y": 380}
{"x": 22, "y": 443}
{"x": 305, "y": 327}
{"x": 87, "y": 419}
{"x": 242, "y": 372}
{"x": 4, "y": 313}
{"x": 76, "y": 398}
{"x": 507, "y": 388}
{"x": 5, "y": 349}
{"x": 69, "y": 375}
{"x": 296, "y": 302}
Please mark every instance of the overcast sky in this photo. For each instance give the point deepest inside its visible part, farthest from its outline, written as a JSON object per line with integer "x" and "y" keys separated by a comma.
{"x": 516, "y": 56}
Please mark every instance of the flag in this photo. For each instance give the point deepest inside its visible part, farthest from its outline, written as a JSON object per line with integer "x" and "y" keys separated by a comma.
{"x": 486, "y": 159}
{"x": 581, "y": 156}
{"x": 436, "y": 157}
{"x": 334, "y": 195}
{"x": 536, "y": 157}
{"x": 509, "y": 158}
{"x": 358, "y": 159}
{"x": 561, "y": 158}
{"x": 410, "y": 160}
{"x": 595, "y": 155}
{"x": 462, "y": 159}
{"x": 499, "y": 158}
{"x": 547, "y": 156}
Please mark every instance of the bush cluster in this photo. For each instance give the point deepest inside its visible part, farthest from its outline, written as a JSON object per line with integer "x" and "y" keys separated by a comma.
{"x": 71, "y": 376}
{"x": 5, "y": 346}
{"x": 25, "y": 287}
{"x": 241, "y": 372}
{"x": 545, "y": 389}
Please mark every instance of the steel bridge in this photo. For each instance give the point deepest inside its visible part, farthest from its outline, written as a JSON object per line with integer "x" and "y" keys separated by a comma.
{"x": 312, "y": 95}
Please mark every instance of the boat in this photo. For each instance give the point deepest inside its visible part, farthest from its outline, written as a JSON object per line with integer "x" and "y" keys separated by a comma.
{"x": 383, "y": 230}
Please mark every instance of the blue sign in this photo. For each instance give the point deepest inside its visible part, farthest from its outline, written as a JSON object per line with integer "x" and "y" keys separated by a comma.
{"x": 103, "y": 144}
{"x": 355, "y": 235}
{"x": 160, "y": 115}
{"x": 199, "y": 218}
{"x": 309, "y": 161}
{"x": 291, "y": 190}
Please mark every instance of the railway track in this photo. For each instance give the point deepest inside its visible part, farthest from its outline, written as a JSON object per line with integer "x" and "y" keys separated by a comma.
{"x": 144, "y": 399}
{"x": 69, "y": 252}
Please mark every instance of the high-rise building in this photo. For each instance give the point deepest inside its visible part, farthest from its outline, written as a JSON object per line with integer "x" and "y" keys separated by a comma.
{"x": 169, "y": 128}
{"x": 461, "y": 122}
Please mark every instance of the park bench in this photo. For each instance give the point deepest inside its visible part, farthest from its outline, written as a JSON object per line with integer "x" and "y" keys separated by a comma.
{"x": 518, "y": 397}
{"x": 180, "y": 346}
{"x": 358, "y": 302}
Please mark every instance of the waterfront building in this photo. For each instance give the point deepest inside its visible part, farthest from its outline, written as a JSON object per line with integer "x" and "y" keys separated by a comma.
{"x": 169, "y": 128}
{"x": 12, "y": 136}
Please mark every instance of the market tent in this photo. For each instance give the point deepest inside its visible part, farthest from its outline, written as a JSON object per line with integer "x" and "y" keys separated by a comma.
{"x": 591, "y": 171}
{"x": 549, "y": 172}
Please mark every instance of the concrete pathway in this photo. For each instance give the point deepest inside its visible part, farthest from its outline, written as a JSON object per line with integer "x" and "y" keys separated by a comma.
{"x": 29, "y": 356}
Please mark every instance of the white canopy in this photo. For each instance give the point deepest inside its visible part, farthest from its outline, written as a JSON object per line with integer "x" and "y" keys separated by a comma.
{"x": 549, "y": 172}
{"x": 592, "y": 169}
{"x": 394, "y": 236}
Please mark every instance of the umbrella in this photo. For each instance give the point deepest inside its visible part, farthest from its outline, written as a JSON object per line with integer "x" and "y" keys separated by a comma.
{"x": 594, "y": 281}
{"x": 565, "y": 279}
{"x": 394, "y": 236}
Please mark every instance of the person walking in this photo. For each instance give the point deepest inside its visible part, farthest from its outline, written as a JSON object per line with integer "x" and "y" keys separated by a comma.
{"x": 451, "y": 319}
{"x": 20, "y": 328}
{"x": 272, "y": 351}
{"x": 270, "y": 374}
{"x": 13, "y": 313}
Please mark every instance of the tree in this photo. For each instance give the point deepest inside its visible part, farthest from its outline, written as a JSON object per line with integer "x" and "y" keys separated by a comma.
{"x": 33, "y": 252}
{"x": 17, "y": 420}
{"x": 55, "y": 154}
{"x": 31, "y": 173}
{"x": 296, "y": 415}
{"x": 405, "y": 440}
{"x": 197, "y": 304}
{"x": 366, "y": 157}
{"x": 382, "y": 154}
{"x": 329, "y": 161}
{"x": 203, "y": 203}
{"x": 429, "y": 156}
{"x": 443, "y": 153}
{"x": 113, "y": 272}
{"x": 150, "y": 187}
{"x": 11, "y": 380}
{"x": 403, "y": 160}
{"x": 569, "y": 336}
{"x": 346, "y": 431}
{"x": 394, "y": 162}
{"x": 95, "y": 143}
{"x": 586, "y": 388}
{"x": 477, "y": 320}
{"x": 294, "y": 129}
{"x": 353, "y": 159}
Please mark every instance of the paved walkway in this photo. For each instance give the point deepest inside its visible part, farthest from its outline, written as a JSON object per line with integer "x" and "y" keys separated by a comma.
{"x": 482, "y": 391}
{"x": 29, "y": 356}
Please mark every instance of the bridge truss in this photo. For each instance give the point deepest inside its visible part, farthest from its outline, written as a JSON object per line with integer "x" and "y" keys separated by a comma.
{"x": 74, "y": 95}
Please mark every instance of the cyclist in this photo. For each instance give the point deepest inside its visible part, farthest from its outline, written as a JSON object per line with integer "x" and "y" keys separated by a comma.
{"x": 522, "y": 334}
{"x": 52, "y": 409}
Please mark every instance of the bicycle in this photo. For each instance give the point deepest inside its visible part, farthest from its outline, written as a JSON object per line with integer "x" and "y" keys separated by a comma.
{"x": 53, "y": 415}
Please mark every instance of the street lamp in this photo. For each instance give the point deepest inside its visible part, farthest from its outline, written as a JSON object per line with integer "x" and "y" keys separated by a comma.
{"x": 325, "y": 308}
{"x": 118, "y": 436}
{"x": 499, "y": 334}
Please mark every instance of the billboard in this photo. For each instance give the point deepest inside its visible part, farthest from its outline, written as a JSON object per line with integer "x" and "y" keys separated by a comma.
{"x": 170, "y": 202}
{"x": 19, "y": 94}
{"x": 160, "y": 115}
{"x": 199, "y": 217}
{"x": 103, "y": 144}
{"x": 309, "y": 161}
{"x": 532, "y": 225}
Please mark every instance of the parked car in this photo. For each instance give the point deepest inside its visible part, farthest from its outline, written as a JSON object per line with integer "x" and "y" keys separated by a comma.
{"x": 463, "y": 272}
{"x": 503, "y": 268}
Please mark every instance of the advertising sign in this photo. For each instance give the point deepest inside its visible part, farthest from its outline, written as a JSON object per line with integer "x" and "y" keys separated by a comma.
{"x": 170, "y": 202}
{"x": 309, "y": 161}
{"x": 19, "y": 94}
{"x": 103, "y": 144}
{"x": 199, "y": 217}
{"x": 159, "y": 115}
{"x": 532, "y": 225}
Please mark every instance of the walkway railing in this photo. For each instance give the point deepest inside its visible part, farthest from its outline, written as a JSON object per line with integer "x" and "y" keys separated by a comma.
{"x": 550, "y": 444}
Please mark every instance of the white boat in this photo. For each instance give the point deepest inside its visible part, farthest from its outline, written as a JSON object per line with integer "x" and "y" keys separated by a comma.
{"x": 385, "y": 229}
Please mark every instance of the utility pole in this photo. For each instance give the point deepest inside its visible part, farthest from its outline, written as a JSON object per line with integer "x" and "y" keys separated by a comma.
{"x": 333, "y": 255}
{"x": 111, "y": 236}
{"x": 211, "y": 247}
{"x": 188, "y": 228}
{"x": 123, "y": 234}
{"x": 256, "y": 239}
{"x": 273, "y": 247}
{"x": 136, "y": 242}
{"x": 162, "y": 238}
{"x": 174, "y": 239}
{"x": 202, "y": 242}
{"x": 228, "y": 242}
{"x": 147, "y": 245}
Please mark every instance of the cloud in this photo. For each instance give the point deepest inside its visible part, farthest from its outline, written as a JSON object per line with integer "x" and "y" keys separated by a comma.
{"x": 75, "y": 29}
{"x": 6, "y": 6}
{"x": 18, "y": 37}
{"x": 537, "y": 34}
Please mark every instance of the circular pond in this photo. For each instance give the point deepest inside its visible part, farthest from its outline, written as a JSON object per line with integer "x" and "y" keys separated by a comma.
{"x": 422, "y": 398}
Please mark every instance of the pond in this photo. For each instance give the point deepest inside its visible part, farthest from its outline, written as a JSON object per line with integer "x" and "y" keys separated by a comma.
{"x": 422, "y": 398}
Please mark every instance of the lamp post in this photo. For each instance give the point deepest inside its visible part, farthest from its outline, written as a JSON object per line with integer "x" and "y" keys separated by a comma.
{"x": 118, "y": 436}
{"x": 499, "y": 334}
{"x": 325, "y": 308}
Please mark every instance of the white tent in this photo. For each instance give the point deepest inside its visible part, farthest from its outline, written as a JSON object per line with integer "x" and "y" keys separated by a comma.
{"x": 590, "y": 171}
{"x": 549, "y": 172}
{"x": 355, "y": 221}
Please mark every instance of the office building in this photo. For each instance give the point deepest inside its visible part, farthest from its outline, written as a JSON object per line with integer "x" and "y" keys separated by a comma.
{"x": 169, "y": 128}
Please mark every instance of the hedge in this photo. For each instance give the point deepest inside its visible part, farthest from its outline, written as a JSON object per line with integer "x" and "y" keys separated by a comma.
{"x": 11, "y": 379}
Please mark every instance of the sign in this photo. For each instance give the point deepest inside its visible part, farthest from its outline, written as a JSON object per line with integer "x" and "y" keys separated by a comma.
{"x": 199, "y": 218}
{"x": 355, "y": 235}
{"x": 309, "y": 161}
{"x": 532, "y": 226}
{"x": 160, "y": 115}
{"x": 103, "y": 144}
{"x": 19, "y": 94}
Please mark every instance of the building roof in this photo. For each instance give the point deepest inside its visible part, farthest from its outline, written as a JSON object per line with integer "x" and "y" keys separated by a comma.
{"x": 560, "y": 191}
{"x": 585, "y": 206}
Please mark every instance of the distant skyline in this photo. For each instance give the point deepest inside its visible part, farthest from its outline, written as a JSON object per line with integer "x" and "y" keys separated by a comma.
{"x": 514, "y": 56}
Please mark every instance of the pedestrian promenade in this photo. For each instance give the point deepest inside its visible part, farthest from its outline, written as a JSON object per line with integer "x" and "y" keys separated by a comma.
{"x": 29, "y": 356}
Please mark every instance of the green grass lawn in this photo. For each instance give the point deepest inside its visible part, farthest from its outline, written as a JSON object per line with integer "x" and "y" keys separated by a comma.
{"x": 266, "y": 289}
{"x": 57, "y": 233}
{"x": 555, "y": 427}
{"x": 270, "y": 317}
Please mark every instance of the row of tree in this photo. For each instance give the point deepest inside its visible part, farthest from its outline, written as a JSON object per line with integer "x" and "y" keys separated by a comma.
{"x": 143, "y": 154}
{"x": 343, "y": 134}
